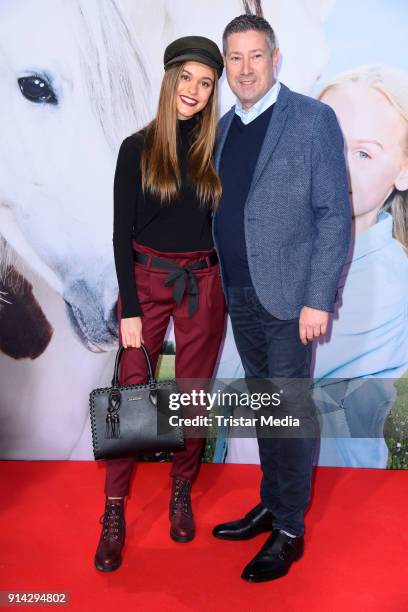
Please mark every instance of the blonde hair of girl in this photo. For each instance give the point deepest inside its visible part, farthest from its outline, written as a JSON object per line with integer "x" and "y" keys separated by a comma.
{"x": 393, "y": 84}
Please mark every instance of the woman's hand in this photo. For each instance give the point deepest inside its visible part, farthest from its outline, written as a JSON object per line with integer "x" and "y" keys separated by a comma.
{"x": 131, "y": 331}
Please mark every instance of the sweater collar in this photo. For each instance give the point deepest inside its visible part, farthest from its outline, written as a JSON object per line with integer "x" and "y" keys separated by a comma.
{"x": 259, "y": 107}
{"x": 187, "y": 125}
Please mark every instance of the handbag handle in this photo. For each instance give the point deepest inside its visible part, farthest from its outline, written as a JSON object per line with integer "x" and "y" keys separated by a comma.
{"x": 150, "y": 375}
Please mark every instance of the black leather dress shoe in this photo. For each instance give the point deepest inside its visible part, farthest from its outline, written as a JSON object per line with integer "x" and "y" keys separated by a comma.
{"x": 258, "y": 520}
{"x": 274, "y": 559}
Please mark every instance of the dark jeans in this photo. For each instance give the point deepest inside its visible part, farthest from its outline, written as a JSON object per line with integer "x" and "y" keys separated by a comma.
{"x": 271, "y": 348}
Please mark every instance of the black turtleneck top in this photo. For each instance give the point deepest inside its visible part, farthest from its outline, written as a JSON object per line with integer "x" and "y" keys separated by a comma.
{"x": 183, "y": 225}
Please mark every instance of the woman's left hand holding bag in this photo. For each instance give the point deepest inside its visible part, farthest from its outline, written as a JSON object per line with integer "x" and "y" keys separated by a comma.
{"x": 131, "y": 332}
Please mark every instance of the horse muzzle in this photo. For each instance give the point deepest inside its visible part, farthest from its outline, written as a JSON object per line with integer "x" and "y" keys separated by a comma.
{"x": 92, "y": 320}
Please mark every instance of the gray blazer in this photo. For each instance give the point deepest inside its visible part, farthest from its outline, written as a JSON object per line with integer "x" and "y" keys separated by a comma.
{"x": 297, "y": 214}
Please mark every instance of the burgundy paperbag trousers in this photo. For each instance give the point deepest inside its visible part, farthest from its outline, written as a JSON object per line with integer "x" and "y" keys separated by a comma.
{"x": 198, "y": 338}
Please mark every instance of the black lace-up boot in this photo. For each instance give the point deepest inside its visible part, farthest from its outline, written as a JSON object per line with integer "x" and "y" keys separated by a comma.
{"x": 108, "y": 555}
{"x": 182, "y": 528}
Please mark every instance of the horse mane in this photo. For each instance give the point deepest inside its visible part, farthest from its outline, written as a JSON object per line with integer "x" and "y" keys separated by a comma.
{"x": 253, "y": 7}
{"x": 7, "y": 259}
{"x": 113, "y": 68}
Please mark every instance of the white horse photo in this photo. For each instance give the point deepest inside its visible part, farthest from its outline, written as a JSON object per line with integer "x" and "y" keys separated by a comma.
{"x": 76, "y": 85}
{"x": 76, "y": 77}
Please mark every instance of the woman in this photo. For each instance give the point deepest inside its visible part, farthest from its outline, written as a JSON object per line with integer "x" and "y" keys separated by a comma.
{"x": 369, "y": 334}
{"x": 164, "y": 192}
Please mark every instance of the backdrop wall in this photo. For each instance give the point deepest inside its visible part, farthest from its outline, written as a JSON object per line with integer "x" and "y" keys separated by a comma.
{"x": 76, "y": 77}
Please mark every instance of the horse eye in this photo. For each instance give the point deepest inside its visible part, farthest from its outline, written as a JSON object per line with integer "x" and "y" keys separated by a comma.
{"x": 37, "y": 89}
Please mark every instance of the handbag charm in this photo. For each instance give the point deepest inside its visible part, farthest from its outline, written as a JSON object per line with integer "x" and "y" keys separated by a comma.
{"x": 112, "y": 416}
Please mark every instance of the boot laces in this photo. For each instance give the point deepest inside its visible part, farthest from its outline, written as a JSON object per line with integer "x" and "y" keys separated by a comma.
{"x": 181, "y": 499}
{"x": 111, "y": 521}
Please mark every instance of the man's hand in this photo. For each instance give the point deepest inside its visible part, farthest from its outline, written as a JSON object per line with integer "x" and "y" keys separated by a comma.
{"x": 312, "y": 323}
{"x": 131, "y": 330}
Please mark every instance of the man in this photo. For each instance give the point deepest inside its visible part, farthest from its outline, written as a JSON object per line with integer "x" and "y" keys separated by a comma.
{"x": 282, "y": 232}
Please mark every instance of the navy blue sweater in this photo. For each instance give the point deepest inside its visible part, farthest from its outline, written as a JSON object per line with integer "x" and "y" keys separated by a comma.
{"x": 238, "y": 160}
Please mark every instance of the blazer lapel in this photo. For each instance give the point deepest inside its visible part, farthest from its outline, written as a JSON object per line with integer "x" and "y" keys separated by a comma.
{"x": 276, "y": 125}
{"x": 222, "y": 136}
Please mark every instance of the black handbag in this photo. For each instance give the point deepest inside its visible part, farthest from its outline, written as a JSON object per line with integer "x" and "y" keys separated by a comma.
{"x": 132, "y": 419}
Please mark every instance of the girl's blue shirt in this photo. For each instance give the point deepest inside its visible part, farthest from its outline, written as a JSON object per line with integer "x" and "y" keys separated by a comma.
{"x": 369, "y": 329}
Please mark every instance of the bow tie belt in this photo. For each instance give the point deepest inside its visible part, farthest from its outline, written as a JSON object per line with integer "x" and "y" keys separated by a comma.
{"x": 182, "y": 277}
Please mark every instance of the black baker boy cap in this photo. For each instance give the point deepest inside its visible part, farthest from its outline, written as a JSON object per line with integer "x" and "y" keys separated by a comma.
{"x": 194, "y": 49}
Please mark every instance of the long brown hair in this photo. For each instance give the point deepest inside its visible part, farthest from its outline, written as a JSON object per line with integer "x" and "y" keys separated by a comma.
{"x": 160, "y": 168}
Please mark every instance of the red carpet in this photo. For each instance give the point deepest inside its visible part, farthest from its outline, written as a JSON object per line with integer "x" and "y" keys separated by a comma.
{"x": 355, "y": 557}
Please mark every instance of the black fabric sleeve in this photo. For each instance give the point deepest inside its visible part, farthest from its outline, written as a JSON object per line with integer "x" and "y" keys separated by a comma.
{"x": 125, "y": 192}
